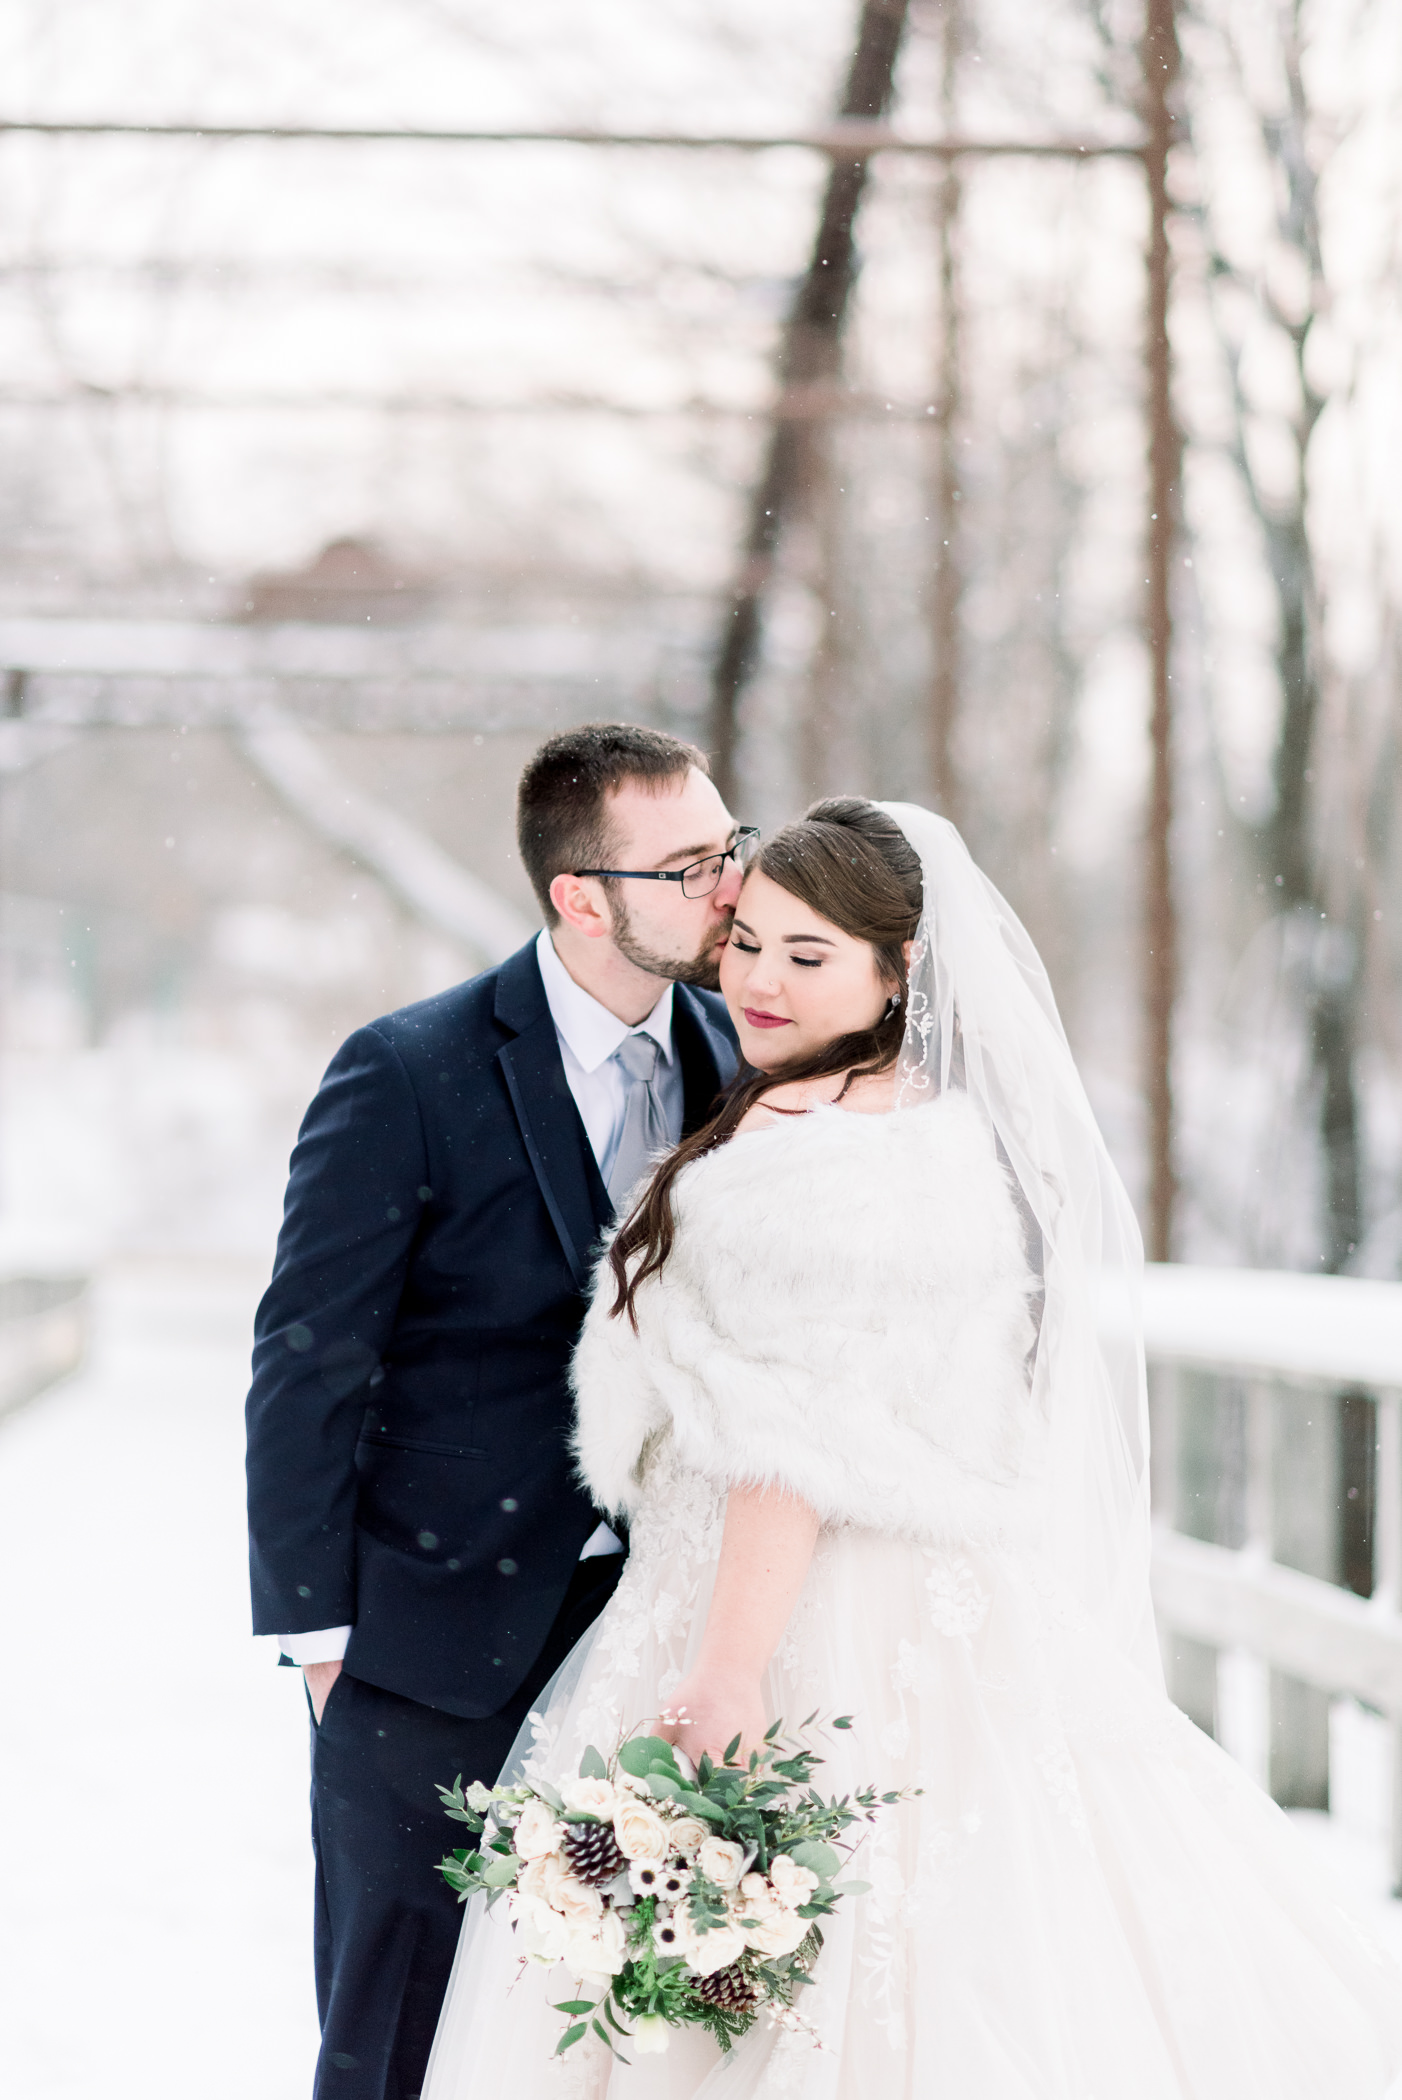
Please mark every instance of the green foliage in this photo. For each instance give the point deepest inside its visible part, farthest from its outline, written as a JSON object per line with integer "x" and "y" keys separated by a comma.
{"x": 642, "y": 1755}
{"x": 455, "y": 1804}
{"x": 766, "y": 1805}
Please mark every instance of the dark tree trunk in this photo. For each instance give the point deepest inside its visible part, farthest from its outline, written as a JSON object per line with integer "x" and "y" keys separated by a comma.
{"x": 1159, "y": 60}
{"x": 946, "y": 587}
{"x": 809, "y": 361}
{"x": 1293, "y": 859}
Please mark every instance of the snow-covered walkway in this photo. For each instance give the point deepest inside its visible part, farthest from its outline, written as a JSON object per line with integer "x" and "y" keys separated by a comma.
{"x": 155, "y": 1874}
{"x": 155, "y": 1922}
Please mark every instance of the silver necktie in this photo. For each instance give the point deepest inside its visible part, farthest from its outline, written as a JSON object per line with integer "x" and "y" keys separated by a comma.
{"x": 644, "y": 1132}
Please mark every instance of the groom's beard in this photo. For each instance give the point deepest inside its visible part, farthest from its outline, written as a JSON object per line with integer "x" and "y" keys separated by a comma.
{"x": 702, "y": 970}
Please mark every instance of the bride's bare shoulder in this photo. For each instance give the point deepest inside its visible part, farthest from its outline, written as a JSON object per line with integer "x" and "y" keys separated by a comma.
{"x": 778, "y": 1103}
{"x": 872, "y": 1095}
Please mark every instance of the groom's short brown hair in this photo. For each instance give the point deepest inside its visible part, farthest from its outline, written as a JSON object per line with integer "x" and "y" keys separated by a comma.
{"x": 561, "y": 821}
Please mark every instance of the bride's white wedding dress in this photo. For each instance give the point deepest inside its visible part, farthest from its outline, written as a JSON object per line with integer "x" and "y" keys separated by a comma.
{"x": 1088, "y": 1901}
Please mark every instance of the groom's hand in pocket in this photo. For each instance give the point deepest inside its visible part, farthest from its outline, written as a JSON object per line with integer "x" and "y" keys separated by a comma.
{"x": 319, "y": 1679}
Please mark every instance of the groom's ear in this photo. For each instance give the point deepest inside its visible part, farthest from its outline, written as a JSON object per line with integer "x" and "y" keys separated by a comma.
{"x": 580, "y": 903}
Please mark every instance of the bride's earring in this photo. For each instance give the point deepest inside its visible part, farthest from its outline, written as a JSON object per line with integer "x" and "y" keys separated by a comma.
{"x": 895, "y": 1002}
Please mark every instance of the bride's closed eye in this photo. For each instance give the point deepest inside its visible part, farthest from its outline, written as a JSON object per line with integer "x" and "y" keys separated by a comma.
{"x": 805, "y": 962}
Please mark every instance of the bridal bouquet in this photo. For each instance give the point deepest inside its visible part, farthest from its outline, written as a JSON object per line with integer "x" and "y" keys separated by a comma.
{"x": 675, "y": 1895}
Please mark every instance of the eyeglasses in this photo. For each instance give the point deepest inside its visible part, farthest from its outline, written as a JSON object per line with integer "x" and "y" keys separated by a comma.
{"x": 701, "y": 876}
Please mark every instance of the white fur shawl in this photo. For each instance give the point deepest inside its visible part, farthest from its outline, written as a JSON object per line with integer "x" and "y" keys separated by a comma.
{"x": 844, "y": 1313}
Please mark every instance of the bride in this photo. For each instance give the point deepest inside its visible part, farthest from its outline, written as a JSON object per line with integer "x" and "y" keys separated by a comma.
{"x": 863, "y": 1372}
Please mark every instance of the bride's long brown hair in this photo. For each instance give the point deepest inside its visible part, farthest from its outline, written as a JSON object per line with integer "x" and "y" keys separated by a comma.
{"x": 852, "y": 865}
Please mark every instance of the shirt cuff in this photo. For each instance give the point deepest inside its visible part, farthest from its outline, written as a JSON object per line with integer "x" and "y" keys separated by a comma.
{"x": 327, "y": 1646}
{"x": 601, "y": 1541}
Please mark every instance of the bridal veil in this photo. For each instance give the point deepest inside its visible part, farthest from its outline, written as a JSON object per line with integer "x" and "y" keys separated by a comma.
{"x": 981, "y": 1016}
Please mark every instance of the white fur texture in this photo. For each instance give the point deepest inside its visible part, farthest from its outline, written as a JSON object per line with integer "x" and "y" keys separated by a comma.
{"x": 844, "y": 1313}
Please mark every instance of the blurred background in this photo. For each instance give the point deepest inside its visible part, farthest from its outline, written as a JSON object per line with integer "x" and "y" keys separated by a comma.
{"x": 990, "y": 404}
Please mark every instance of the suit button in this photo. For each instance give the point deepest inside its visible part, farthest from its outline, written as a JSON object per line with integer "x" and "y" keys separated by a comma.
{"x": 506, "y": 1567}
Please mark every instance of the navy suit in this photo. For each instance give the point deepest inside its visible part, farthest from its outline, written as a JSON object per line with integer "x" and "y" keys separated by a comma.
{"x": 408, "y": 1463}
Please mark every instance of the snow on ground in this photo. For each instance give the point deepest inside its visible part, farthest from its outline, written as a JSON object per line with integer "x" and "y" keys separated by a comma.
{"x": 155, "y": 1936}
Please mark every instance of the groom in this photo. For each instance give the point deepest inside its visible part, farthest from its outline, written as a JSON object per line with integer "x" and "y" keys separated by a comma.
{"x": 418, "y": 1539}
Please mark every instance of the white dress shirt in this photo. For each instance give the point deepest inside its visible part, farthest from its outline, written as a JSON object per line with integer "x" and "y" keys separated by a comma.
{"x": 588, "y": 1035}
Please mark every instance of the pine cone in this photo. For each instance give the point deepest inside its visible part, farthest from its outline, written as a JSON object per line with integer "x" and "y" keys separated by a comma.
{"x": 729, "y": 1989}
{"x": 592, "y": 1854}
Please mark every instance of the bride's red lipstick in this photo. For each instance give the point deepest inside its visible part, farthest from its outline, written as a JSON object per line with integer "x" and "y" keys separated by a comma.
{"x": 757, "y": 1018}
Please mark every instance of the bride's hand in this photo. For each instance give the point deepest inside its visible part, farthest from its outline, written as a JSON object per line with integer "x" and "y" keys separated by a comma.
{"x": 708, "y": 1711}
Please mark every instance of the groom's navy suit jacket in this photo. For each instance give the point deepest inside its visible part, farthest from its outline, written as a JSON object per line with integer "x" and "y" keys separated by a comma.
{"x": 408, "y": 1463}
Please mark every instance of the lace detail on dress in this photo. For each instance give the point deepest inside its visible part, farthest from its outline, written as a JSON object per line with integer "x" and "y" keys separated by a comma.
{"x": 958, "y": 1602}
{"x": 1059, "y": 1773}
{"x": 883, "y": 1957}
{"x": 643, "y": 1631}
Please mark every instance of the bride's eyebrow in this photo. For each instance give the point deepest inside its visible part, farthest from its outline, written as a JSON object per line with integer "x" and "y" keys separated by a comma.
{"x": 821, "y": 938}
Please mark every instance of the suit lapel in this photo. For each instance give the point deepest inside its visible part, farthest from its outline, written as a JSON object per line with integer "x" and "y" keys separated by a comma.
{"x": 553, "y": 1135}
{"x": 708, "y": 1058}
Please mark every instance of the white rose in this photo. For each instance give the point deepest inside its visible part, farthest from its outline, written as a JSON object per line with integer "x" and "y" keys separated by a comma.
{"x": 756, "y": 1895}
{"x": 542, "y": 1932}
{"x": 793, "y": 1884}
{"x": 590, "y": 1797}
{"x": 708, "y": 1951}
{"x": 575, "y": 1901}
{"x": 651, "y": 2035}
{"x": 479, "y": 1797}
{"x": 686, "y": 1836}
{"x": 543, "y": 1877}
{"x": 721, "y": 1861}
{"x": 778, "y": 1933}
{"x": 612, "y": 1936}
{"x": 536, "y": 1832}
{"x": 601, "y": 1952}
{"x": 640, "y": 1831}
{"x": 533, "y": 1879}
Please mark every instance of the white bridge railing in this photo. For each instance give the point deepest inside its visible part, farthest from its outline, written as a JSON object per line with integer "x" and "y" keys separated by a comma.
{"x": 1267, "y": 1362}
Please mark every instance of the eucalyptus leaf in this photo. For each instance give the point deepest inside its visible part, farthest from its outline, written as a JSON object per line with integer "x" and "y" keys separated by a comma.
{"x": 592, "y": 1766}
{"x": 642, "y": 1755}
{"x": 548, "y": 1793}
{"x": 850, "y": 1888}
{"x": 695, "y": 1804}
{"x": 820, "y": 1859}
{"x": 570, "y": 2036}
{"x": 499, "y": 1873}
{"x": 577, "y": 2005}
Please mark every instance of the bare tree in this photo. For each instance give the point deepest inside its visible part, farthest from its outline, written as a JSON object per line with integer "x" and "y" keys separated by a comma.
{"x": 809, "y": 362}
{"x": 1292, "y": 852}
{"x": 946, "y": 581}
